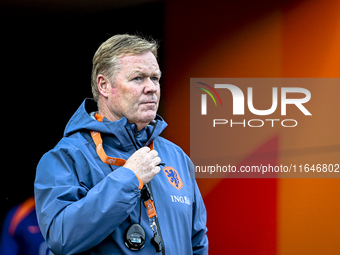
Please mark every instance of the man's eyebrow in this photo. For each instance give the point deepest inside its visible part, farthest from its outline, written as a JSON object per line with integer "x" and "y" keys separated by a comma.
{"x": 138, "y": 71}
{"x": 158, "y": 73}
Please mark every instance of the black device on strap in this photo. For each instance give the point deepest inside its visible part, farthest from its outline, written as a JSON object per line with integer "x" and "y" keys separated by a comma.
{"x": 134, "y": 237}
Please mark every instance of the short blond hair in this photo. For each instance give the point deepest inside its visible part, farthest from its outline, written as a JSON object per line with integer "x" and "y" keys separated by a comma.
{"x": 105, "y": 60}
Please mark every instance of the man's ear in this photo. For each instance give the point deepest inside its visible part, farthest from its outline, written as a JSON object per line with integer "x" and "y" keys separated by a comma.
{"x": 103, "y": 85}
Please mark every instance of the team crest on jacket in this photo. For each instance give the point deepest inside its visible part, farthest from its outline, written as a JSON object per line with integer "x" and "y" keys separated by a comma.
{"x": 173, "y": 177}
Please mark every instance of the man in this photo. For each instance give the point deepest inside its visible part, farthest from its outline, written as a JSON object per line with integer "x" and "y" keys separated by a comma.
{"x": 112, "y": 185}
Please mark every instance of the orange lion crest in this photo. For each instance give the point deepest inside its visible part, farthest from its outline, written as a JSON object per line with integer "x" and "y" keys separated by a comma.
{"x": 173, "y": 177}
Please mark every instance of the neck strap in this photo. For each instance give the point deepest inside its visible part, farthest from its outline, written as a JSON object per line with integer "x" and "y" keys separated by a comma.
{"x": 100, "y": 150}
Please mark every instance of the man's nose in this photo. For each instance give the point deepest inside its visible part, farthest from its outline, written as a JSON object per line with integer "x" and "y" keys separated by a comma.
{"x": 151, "y": 86}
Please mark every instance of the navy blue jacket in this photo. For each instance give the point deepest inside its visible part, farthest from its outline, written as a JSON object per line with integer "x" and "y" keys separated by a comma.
{"x": 84, "y": 205}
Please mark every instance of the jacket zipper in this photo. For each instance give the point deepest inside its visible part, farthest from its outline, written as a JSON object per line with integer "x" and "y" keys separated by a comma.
{"x": 149, "y": 186}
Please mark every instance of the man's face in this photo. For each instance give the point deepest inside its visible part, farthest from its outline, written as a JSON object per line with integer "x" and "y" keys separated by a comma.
{"x": 135, "y": 91}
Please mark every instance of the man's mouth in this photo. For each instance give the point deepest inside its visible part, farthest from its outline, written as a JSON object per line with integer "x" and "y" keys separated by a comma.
{"x": 149, "y": 102}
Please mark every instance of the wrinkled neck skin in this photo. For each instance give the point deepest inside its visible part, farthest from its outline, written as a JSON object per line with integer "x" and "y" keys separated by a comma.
{"x": 104, "y": 111}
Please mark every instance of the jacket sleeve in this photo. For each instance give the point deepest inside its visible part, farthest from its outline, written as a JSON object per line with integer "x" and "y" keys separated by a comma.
{"x": 73, "y": 218}
{"x": 199, "y": 229}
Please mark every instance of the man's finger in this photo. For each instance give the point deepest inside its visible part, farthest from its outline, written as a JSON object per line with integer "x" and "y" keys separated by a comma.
{"x": 157, "y": 161}
{"x": 157, "y": 169}
{"x": 153, "y": 153}
{"x": 143, "y": 150}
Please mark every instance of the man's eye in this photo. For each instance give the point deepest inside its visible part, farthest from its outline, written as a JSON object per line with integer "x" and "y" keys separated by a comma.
{"x": 137, "y": 78}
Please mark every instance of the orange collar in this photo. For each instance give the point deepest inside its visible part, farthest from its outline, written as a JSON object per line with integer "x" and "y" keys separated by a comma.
{"x": 100, "y": 150}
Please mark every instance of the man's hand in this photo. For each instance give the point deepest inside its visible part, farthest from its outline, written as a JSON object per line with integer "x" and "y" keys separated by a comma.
{"x": 144, "y": 163}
